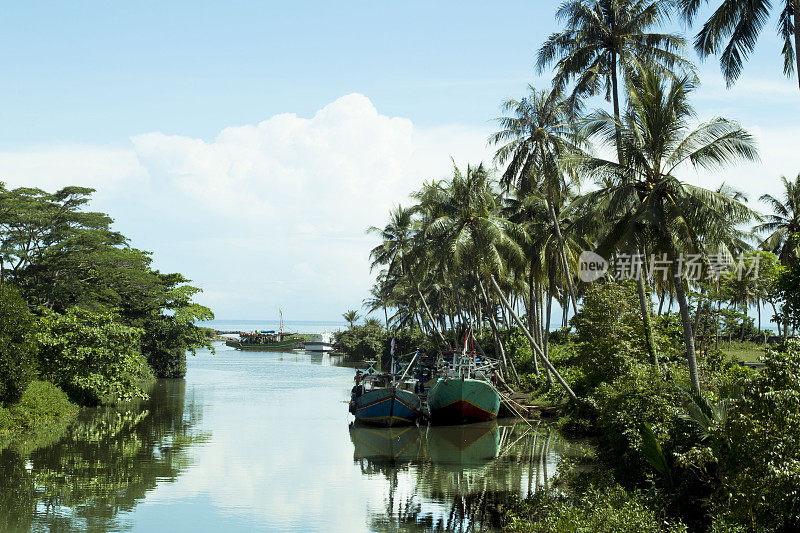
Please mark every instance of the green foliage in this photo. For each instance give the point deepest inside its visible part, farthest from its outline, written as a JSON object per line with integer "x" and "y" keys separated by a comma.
{"x": 362, "y": 342}
{"x": 759, "y": 448}
{"x": 16, "y": 348}
{"x": 598, "y": 507}
{"x": 609, "y": 337}
{"x": 789, "y": 294}
{"x": 41, "y": 402}
{"x": 91, "y": 356}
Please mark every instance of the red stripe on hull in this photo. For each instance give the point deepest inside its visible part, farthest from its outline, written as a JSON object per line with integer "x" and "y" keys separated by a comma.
{"x": 461, "y": 412}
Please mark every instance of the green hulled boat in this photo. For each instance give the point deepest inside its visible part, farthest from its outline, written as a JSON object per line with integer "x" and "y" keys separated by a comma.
{"x": 265, "y": 342}
{"x": 464, "y": 392}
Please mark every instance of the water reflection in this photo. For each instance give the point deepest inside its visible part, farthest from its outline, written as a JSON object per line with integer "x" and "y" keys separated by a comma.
{"x": 454, "y": 478}
{"x": 102, "y": 464}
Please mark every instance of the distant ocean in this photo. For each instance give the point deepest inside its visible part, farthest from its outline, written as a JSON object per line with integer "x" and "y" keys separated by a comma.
{"x": 294, "y": 326}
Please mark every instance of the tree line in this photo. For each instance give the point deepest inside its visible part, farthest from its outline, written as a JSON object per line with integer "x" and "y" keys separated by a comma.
{"x": 80, "y": 307}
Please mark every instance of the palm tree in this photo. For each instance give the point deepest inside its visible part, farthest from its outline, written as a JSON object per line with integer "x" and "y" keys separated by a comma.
{"x": 603, "y": 38}
{"x": 397, "y": 237}
{"x": 784, "y": 224}
{"x": 740, "y": 23}
{"x": 351, "y": 317}
{"x": 465, "y": 221}
{"x": 644, "y": 199}
{"x": 539, "y": 132}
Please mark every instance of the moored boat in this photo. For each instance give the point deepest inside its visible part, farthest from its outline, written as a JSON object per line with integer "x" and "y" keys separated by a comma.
{"x": 266, "y": 341}
{"x": 319, "y": 342}
{"x": 454, "y": 400}
{"x": 382, "y": 400}
{"x": 464, "y": 391}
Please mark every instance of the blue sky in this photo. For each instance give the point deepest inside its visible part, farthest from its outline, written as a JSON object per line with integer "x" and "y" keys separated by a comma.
{"x": 249, "y": 144}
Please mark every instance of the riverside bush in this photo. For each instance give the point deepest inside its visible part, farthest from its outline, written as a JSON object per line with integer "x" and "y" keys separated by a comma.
{"x": 40, "y": 402}
{"x": 758, "y": 449}
{"x": 17, "y": 361}
{"x": 596, "y": 508}
{"x": 91, "y": 356}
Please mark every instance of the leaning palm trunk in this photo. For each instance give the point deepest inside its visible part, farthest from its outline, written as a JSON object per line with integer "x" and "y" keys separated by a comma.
{"x": 797, "y": 38}
{"x": 567, "y": 270}
{"x": 507, "y": 362}
{"x": 527, "y": 333}
{"x": 430, "y": 316}
{"x": 688, "y": 336}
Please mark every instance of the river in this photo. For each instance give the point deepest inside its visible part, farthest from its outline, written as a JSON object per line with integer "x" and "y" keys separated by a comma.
{"x": 263, "y": 442}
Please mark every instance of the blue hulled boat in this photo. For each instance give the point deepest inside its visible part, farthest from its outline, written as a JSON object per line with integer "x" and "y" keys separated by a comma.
{"x": 383, "y": 400}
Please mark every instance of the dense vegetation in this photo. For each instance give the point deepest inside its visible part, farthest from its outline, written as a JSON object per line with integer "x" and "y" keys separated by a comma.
{"x": 81, "y": 311}
{"x": 685, "y": 437}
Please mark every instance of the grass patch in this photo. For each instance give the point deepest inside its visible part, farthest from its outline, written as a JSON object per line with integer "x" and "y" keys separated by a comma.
{"x": 747, "y": 352}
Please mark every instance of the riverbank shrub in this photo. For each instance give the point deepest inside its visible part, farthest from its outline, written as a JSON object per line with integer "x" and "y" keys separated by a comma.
{"x": 16, "y": 349}
{"x": 758, "y": 448}
{"x": 91, "y": 356}
{"x": 40, "y": 403}
{"x": 598, "y": 507}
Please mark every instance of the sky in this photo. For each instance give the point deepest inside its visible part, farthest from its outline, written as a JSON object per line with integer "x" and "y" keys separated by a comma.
{"x": 249, "y": 145}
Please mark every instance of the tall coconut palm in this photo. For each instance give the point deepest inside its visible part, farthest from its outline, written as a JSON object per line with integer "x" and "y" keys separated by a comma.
{"x": 644, "y": 198}
{"x": 605, "y": 38}
{"x": 466, "y": 222}
{"x": 537, "y": 134}
{"x": 740, "y": 23}
{"x": 397, "y": 237}
{"x": 783, "y": 225}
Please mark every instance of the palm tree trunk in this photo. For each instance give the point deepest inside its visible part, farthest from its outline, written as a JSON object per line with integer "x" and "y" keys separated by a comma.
{"x": 644, "y": 309}
{"x": 567, "y": 270}
{"x": 797, "y": 39}
{"x": 615, "y": 98}
{"x": 688, "y": 337}
{"x": 530, "y": 318}
{"x": 507, "y": 362}
{"x": 430, "y": 316}
{"x": 546, "y": 349}
{"x": 527, "y": 333}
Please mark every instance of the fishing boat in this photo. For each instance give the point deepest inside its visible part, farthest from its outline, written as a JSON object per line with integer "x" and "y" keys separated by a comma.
{"x": 384, "y": 400}
{"x": 260, "y": 341}
{"x": 464, "y": 391}
{"x": 267, "y": 340}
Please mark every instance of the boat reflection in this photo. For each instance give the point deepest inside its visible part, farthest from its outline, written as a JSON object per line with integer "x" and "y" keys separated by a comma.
{"x": 380, "y": 446}
{"x": 455, "y": 478}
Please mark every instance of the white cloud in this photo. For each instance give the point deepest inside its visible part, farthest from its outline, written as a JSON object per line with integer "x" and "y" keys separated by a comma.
{"x": 274, "y": 214}
{"x": 265, "y": 215}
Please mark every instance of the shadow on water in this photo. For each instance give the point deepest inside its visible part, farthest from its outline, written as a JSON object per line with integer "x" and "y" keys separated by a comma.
{"x": 455, "y": 478}
{"x": 83, "y": 475}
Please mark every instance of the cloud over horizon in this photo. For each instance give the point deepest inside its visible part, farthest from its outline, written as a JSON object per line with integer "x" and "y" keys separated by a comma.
{"x": 274, "y": 214}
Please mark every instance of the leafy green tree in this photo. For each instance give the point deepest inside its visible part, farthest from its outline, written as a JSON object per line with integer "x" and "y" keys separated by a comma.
{"x": 17, "y": 355}
{"x": 91, "y": 356}
{"x": 740, "y": 23}
{"x": 783, "y": 225}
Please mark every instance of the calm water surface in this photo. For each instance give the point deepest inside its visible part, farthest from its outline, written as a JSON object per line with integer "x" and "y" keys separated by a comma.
{"x": 263, "y": 442}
